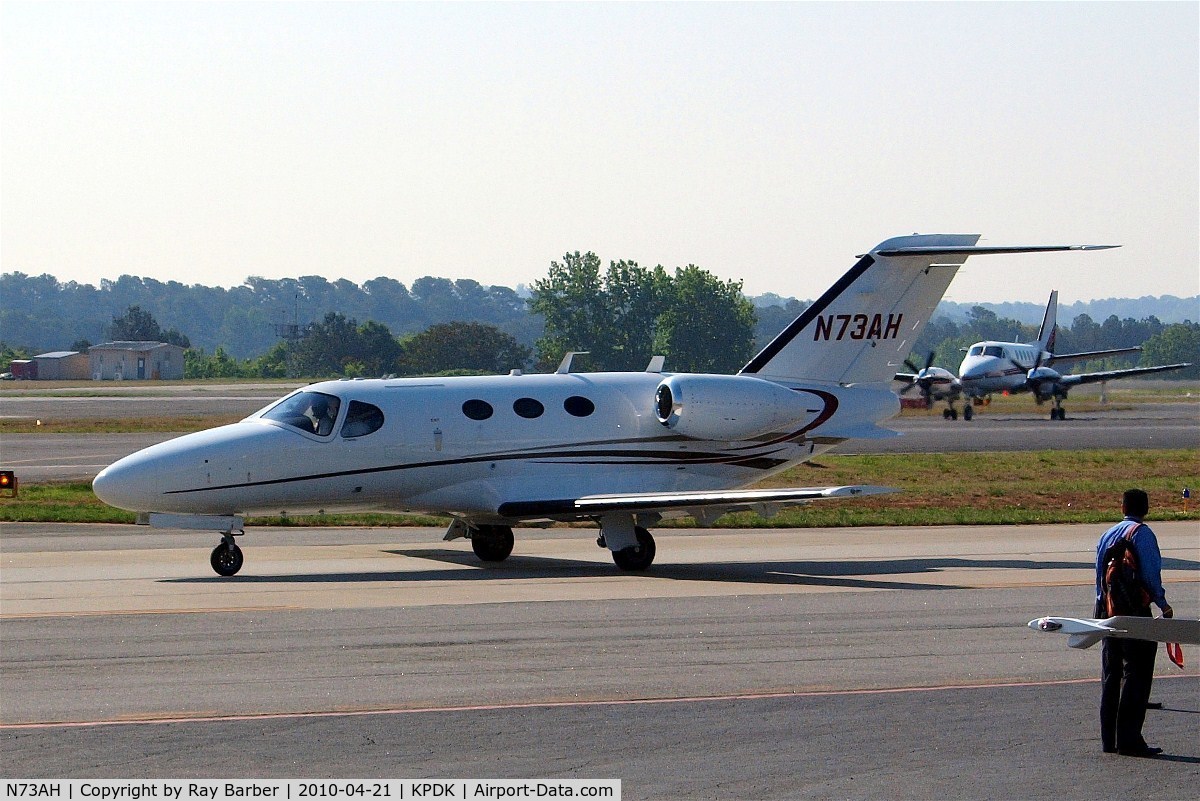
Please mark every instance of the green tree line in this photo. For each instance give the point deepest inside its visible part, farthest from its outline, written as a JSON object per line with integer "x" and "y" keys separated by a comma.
{"x": 621, "y": 315}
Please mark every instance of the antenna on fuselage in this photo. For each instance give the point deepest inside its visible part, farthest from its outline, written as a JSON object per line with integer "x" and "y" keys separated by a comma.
{"x": 565, "y": 366}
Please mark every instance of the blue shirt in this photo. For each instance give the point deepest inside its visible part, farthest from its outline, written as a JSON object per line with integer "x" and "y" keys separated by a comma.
{"x": 1145, "y": 545}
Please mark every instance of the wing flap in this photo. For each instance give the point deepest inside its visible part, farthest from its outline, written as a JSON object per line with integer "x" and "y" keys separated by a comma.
{"x": 649, "y": 502}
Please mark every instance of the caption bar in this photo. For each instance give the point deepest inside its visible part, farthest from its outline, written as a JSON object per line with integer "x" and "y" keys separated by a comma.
{"x": 394, "y": 789}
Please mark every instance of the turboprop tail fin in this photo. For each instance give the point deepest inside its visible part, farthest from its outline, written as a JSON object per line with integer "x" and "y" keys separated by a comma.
{"x": 1049, "y": 325}
{"x": 865, "y": 325}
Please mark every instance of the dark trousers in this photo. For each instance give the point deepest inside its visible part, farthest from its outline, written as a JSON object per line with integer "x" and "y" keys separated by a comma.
{"x": 1127, "y": 673}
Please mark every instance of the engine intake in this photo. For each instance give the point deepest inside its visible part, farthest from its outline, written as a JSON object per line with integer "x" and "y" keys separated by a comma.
{"x": 728, "y": 407}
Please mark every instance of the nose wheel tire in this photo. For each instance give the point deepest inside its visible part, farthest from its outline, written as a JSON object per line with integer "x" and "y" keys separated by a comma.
{"x": 492, "y": 543}
{"x": 638, "y": 557}
{"x": 226, "y": 559}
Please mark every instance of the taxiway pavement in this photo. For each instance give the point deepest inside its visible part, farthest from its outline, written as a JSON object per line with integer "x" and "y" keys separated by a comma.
{"x": 814, "y": 663}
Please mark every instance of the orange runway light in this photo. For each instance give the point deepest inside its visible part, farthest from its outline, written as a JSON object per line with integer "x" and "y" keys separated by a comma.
{"x": 8, "y": 483}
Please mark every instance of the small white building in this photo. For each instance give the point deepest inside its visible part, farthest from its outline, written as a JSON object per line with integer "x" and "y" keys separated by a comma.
{"x": 135, "y": 361}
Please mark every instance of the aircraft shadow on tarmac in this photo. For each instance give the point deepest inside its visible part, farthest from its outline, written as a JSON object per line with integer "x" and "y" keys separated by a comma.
{"x": 849, "y": 574}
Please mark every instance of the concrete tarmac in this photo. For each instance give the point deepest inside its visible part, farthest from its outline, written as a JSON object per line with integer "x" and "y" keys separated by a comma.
{"x": 815, "y": 663}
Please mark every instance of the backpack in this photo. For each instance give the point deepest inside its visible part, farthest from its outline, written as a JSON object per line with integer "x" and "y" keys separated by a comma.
{"x": 1122, "y": 591}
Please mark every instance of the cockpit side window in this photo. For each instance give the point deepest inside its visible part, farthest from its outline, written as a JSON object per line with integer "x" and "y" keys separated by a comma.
{"x": 993, "y": 350}
{"x": 311, "y": 412}
{"x": 362, "y": 419}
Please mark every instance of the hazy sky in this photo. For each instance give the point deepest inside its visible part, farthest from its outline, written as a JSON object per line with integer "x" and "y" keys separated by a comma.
{"x": 766, "y": 143}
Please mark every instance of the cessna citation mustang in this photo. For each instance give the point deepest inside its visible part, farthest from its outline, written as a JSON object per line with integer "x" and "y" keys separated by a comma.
{"x": 623, "y": 450}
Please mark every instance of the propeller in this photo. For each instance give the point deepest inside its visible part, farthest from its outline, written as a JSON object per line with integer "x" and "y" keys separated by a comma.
{"x": 923, "y": 381}
{"x": 1038, "y": 376}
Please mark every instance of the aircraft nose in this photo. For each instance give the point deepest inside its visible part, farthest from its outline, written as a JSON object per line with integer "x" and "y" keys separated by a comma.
{"x": 130, "y": 483}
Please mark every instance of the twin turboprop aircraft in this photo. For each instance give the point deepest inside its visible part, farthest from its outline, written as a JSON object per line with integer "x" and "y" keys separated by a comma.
{"x": 623, "y": 450}
{"x": 1013, "y": 367}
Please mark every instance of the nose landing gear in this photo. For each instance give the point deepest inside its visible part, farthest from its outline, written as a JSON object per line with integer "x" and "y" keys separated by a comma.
{"x": 226, "y": 558}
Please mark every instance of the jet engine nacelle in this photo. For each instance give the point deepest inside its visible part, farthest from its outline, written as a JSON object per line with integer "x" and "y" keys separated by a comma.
{"x": 727, "y": 407}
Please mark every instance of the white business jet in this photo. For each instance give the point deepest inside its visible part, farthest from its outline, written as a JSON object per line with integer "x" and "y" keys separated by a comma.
{"x": 1009, "y": 367}
{"x": 623, "y": 450}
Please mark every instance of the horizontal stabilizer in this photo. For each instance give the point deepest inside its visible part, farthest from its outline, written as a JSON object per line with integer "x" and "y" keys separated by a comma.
{"x": 983, "y": 250}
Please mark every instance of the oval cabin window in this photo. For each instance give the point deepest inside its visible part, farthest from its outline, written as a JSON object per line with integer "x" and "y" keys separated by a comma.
{"x": 477, "y": 409}
{"x": 578, "y": 406}
{"x": 528, "y": 408}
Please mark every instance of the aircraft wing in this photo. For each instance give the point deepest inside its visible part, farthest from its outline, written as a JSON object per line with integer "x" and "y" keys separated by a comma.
{"x": 1086, "y": 632}
{"x": 704, "y": 506}
{"x": 1108, "y": 375}
{"x": 1090, "y": 354}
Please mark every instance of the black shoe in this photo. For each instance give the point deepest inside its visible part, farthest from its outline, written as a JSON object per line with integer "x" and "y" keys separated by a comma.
{"x": 1154, "y": 705}
{"x": 1146, "y": 752}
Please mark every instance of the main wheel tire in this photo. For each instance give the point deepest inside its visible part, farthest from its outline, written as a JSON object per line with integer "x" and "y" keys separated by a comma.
{"x": 968, "y": 413}
{"x": 226, "y": 559}
{"x": 637, "y": 557}
{"x": 492, "y": 543}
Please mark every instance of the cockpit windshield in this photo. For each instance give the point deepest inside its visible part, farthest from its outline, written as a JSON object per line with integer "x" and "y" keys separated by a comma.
{"x": 976, "y": 350}
{"x": 311, "y": 412}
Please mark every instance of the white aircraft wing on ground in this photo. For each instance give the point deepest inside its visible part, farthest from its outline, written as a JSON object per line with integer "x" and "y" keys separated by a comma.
{"x": 1086, "y": 632}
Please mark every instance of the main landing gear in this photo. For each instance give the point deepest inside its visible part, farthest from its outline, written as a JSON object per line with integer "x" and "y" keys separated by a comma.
{"x": 950, "y": 413}
{"x": 492, "y": 543}
{"x": 227, "y": 558}
{"x": 1058, "y": 412}
{"x": 636, "y": 557}
{"x": 632, "y": 545}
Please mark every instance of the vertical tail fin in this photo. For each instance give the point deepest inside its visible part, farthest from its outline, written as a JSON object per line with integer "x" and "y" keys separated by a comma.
{"x": 865, "y": 325}
{"x": 867, "y": 322}
{"x": 1049, "y": 325}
